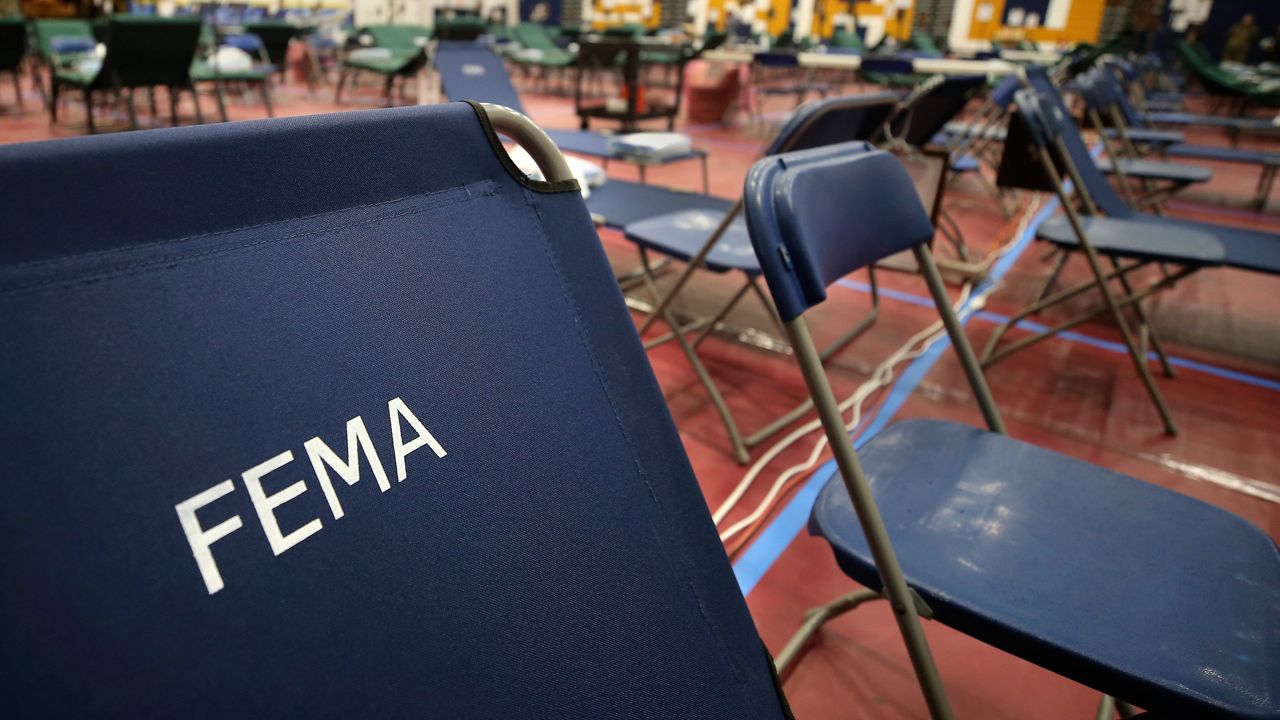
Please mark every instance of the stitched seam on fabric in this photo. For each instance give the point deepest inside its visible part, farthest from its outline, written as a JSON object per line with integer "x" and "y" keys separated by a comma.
{"x": 243, "y": 228}
{"x": 464, "y": 194}
{"x": 617, "y": 417}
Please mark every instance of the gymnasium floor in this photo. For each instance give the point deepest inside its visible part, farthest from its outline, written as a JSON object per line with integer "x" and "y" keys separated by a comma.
{"x": 1078, "y": 395}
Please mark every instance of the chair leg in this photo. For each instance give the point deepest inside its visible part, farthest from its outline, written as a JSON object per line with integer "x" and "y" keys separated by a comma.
{"x": 222, "y": 100}
{"x": 266, "y": 98}
{"x": 1144, "y": 326}
{"x": 342, "y": 80}
{"x": 386, "y": 90}
{"x": 151, "y": 100}
{"x": 173, "y": 106}
{"x": 133, "y": 113}
{"x": 814, "y": 620}
{"x": 55, "y": 88}
{"x": 17, "y": 92}
{"x": 195, "y": 100}
{"x": 88, "y": 108}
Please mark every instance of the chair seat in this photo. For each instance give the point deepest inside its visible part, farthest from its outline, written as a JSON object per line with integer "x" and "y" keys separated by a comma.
{"x": 1179, "y": 173}
{"x": 1242, "y": 248}
{"x": 1149, "y": 136}
{"x": 681, "y": 235}
{"x": 1139, "y": 239}
{"x": 206, "y": 72}
{"x": 619, "y": 203}
{"x": 1225, "y": 154}
{"x": 1239, "y": 123}
{"x": 1073, "y": 567}
{"x": 965, "y": 163}
{"x": 390, "y": 64}
{"x": 77, "y": 76}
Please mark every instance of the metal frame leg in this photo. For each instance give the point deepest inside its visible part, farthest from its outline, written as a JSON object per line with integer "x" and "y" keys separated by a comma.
{"x": 905, "y": 603}
{"x": 813, "y": 622}
{"x": 1146, "y": 330}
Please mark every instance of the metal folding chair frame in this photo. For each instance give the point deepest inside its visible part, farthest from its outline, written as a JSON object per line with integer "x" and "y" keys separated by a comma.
{"x": 1113, "y": 304}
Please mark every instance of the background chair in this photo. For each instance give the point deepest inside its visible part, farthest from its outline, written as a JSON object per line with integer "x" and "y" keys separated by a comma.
{"x": 142, "y": 52}
{"x": 954, "y": 523}
{"x": 13, "y": 49}
{"x": 395, "y": 52}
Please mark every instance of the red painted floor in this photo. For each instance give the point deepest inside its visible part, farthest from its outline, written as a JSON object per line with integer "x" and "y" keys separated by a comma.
{"x": 1068, "y": 396}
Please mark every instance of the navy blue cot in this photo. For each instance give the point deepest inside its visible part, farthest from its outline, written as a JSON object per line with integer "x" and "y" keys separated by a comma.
{"x": 197, "y": 369}
{"x": 1031, "y": 551}
{"x": 471, "y": 71}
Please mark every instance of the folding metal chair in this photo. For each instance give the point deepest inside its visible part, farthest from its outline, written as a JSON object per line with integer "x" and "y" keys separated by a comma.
{"x": 1011, "y": 544}
{"x": 380, "y": 443}
{"x": 1050, "y": 147}
{"x": 716, "y": 240}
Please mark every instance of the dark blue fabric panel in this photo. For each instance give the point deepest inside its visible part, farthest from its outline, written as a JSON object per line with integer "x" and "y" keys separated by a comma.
{"x": 1131, "y": 589}
{"x": 1172, "y": 242}
{"x": 682, "y": 235}
{"x": 179, "y": 325}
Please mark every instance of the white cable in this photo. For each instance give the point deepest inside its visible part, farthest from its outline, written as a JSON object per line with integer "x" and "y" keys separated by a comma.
{"x": 882, "y": 375}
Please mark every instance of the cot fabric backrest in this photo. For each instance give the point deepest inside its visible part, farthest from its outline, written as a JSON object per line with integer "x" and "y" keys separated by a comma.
{"x": 1055, "y": 111}
{"x": 145, "y": 51}
{"x": 470, "y": 71}
{"x": 370, "y": 436}
{"x": 834, "y": 120}
{"x": 818, "y": 215}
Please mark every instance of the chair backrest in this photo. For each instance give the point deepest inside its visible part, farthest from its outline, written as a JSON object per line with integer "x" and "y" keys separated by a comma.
{"x": 852, "y": 205}
{"x": 148, "y": 51}
{"x": 1057, "y": 122}
{"x": 834, "y": 120}
{"x": 471, "y": 71}
{"x": 276, "y": 35}
{"x": 384, "y": 447}
{"x": 13, "y": 43}
{"x": 47, "y": 30}
{"x": 932, "y": 106}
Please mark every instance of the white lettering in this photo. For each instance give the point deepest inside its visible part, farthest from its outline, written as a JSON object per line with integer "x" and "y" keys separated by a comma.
{"x": 398, "y": 410}
{"x": 357, "y": 439}
{"x": 266, "y": 504}
{"x": 200, "y": 539}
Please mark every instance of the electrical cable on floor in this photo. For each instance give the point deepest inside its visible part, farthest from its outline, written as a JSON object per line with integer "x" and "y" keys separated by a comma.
{"x": 881, "y": 377}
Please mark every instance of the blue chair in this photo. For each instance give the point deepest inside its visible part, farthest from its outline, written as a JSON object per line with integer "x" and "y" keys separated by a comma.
{"x": 714, "y": 238}
{"x": 1110, "y": 228}
{"x": 1011, "y": 544}
{"x": 329, "y": 450}
{"x": 1127, "y": 121}
{"x": 1159, "y": 180}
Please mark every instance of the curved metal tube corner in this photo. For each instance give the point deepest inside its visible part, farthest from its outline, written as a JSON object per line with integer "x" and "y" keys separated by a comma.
{"x": 532, "y": 138}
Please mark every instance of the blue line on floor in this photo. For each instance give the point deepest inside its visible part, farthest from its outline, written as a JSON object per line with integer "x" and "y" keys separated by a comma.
{"x": 778, "y": 534}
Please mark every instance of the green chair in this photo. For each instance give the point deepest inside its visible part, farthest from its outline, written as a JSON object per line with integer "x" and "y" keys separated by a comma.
{"x": 13, "y": 46}
{"x": 257, "y": 74}
{"x": 537, "y": 37}
{"x": 403, "y": 55}
{"x": 847, "y": 41}
{"x": 142, "y": 52}
{"x": 924, "y": 43}
{"x": 47, "y": 56}
{"x": 276, "y": 36}
{"x": 1239, "y": 93}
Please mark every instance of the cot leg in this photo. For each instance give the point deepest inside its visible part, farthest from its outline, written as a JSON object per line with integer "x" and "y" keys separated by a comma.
{"x": 54, "y": 89}
{"x": 342, "y": 81}
{"x": 151, "y": 100}
{"x": 814, "y": 619}
{"x": 17, "y": 92}
{"x": 386, "y": 90}
{"x": 694, "y": 263}
{"x": 173, "y": 106}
